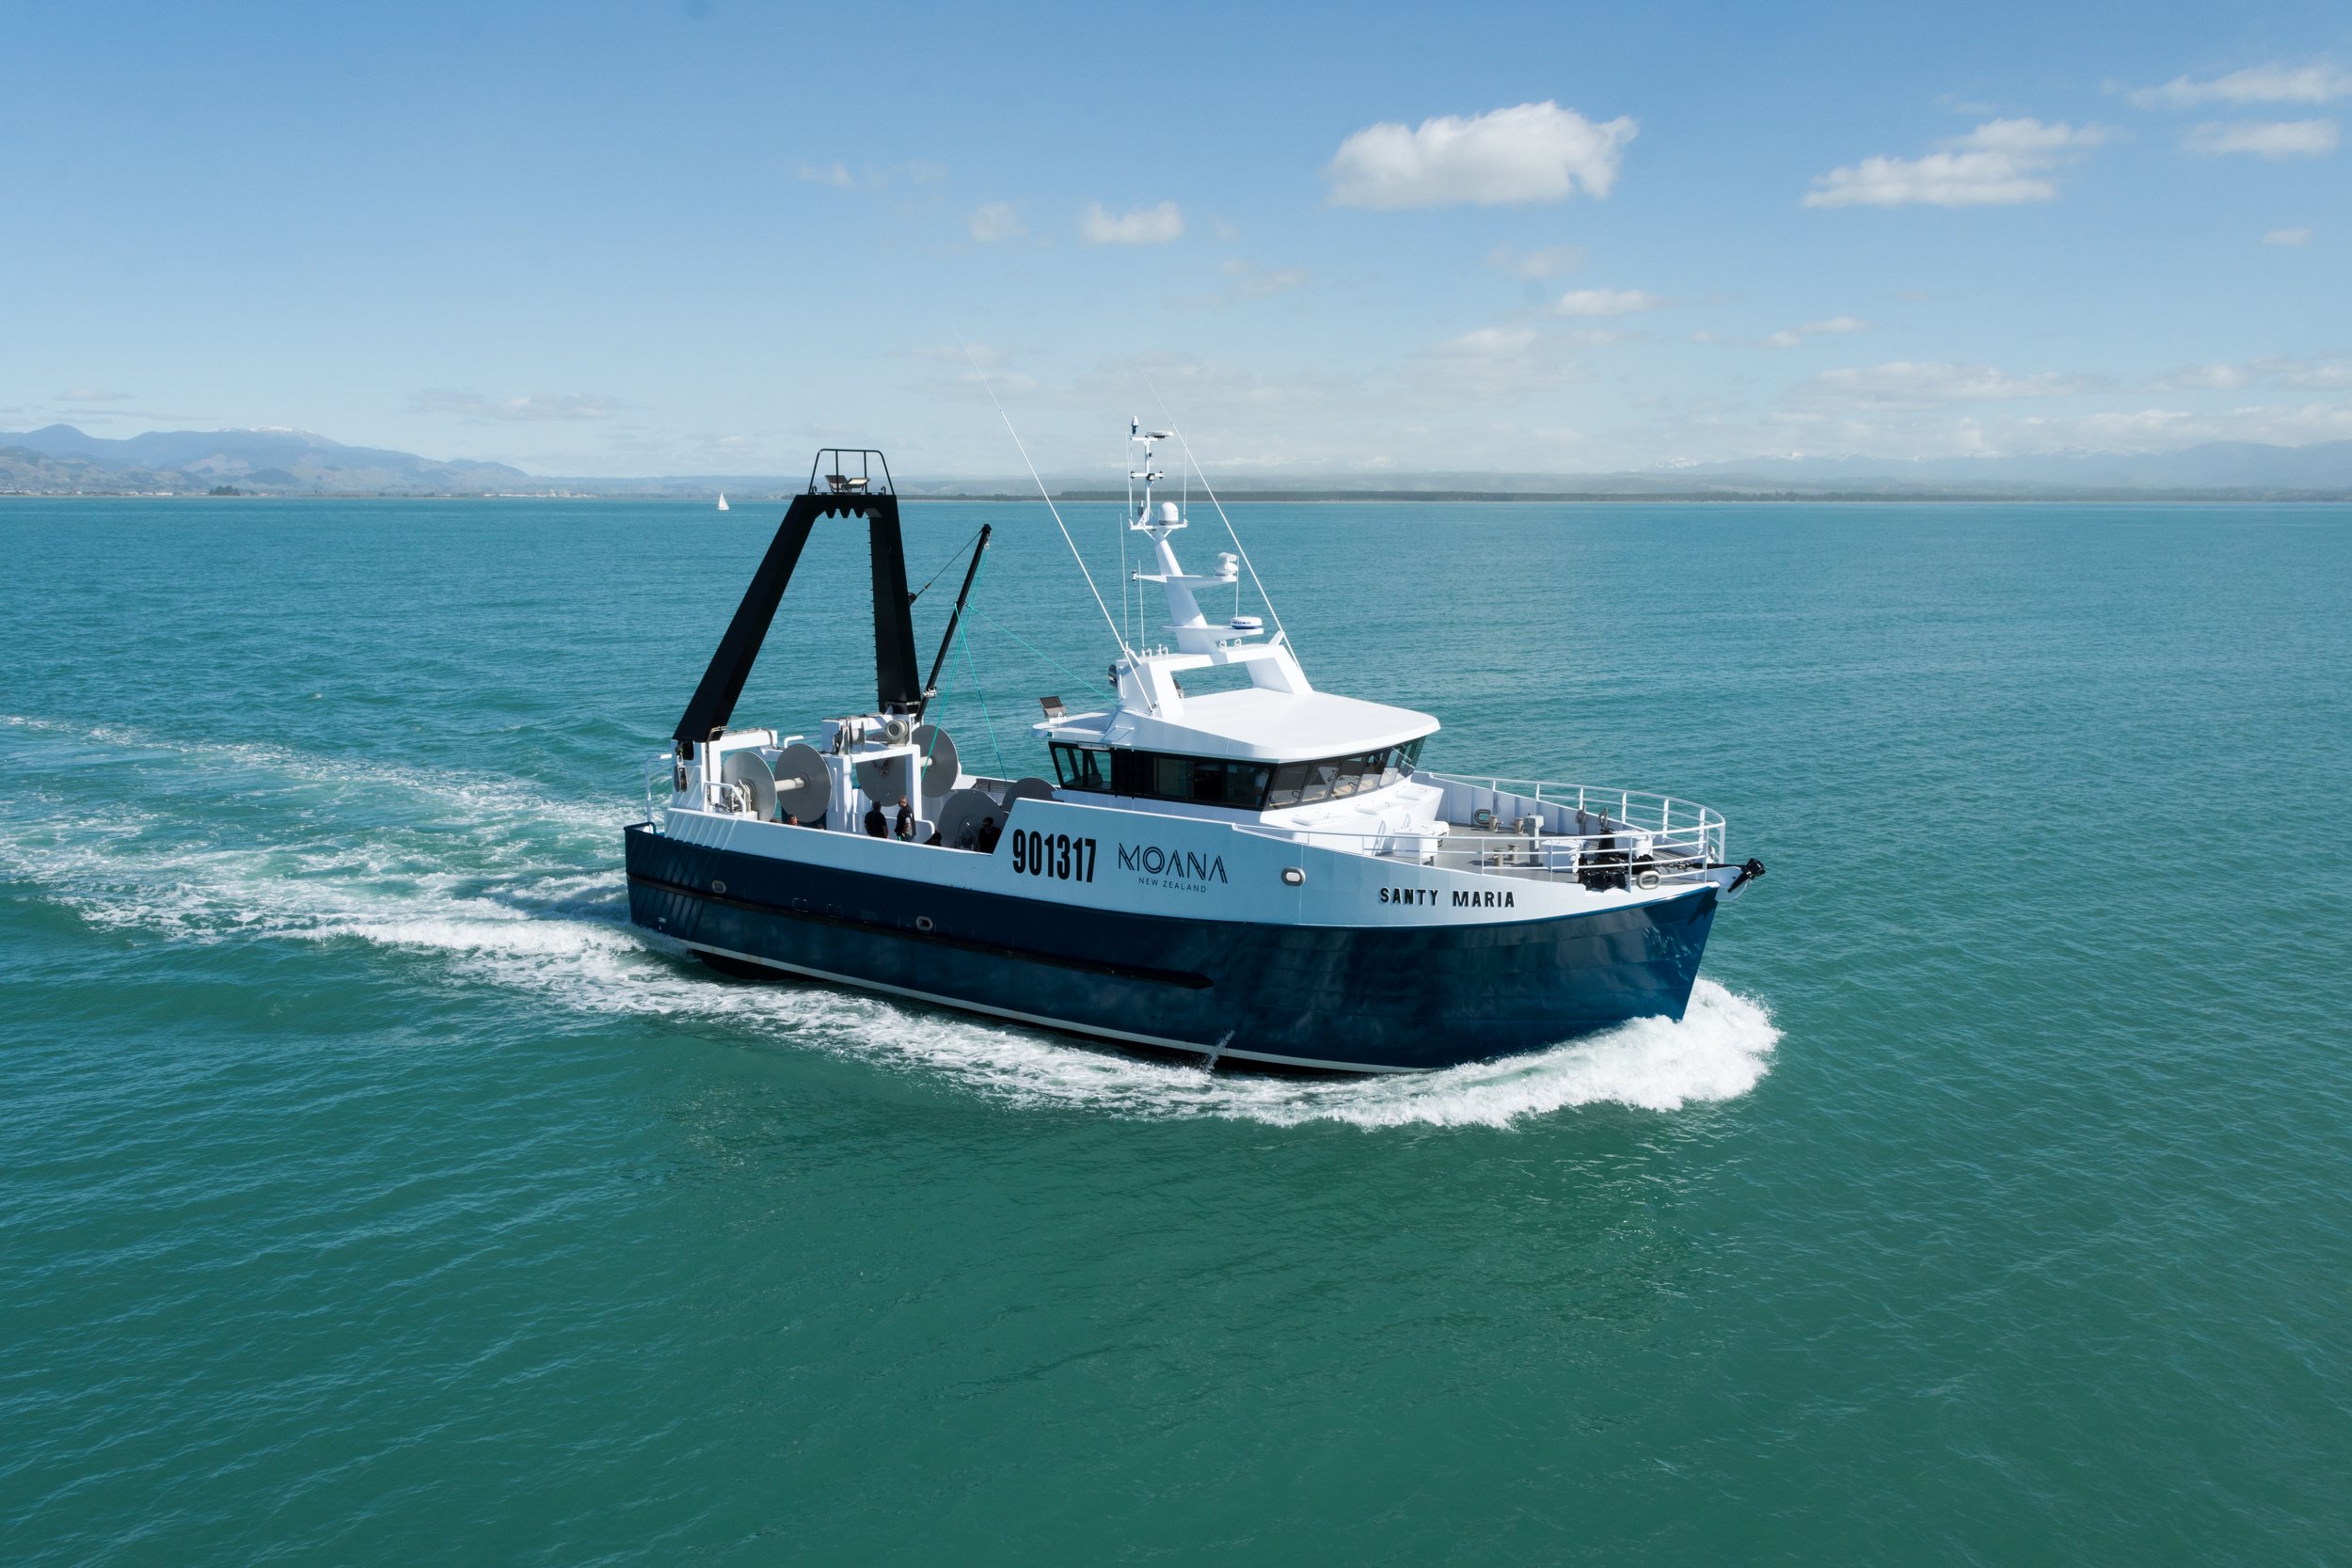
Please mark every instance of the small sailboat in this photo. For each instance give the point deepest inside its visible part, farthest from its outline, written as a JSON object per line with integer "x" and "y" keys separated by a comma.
{"x": 723, "y": 500}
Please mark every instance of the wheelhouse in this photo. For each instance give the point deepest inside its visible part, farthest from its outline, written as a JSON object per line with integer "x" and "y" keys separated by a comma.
{"x": 1236, "y": 785}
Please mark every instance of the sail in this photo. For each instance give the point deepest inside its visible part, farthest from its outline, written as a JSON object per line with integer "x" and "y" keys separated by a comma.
{"x": 723, "y": 500}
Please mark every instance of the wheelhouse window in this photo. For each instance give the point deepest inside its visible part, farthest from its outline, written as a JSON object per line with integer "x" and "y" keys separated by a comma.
{"x": 1083, "y": 766}
{"x": 1237, "y": 785}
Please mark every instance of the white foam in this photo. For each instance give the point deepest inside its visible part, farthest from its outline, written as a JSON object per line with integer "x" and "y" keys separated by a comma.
{"x": 1719, "y": 1051}
{"x": 478, "y": 796}
{"x": 489, "y": 893}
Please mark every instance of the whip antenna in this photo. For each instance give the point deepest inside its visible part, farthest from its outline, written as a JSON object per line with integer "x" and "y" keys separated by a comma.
{"x": 1048, "y": 498}
{"x": 1243, "y": 551}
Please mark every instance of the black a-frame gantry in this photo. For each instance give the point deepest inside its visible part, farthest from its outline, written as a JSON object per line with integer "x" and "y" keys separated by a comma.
{"x": 833, "y": 489}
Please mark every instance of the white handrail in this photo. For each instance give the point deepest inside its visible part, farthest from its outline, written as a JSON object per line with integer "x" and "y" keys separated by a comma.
{"x": 664, "y": 761}
{"x": 1683, "y": 837}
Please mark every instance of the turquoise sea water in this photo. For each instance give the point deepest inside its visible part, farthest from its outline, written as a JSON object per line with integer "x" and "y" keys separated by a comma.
{"x": 370, "y": 1194}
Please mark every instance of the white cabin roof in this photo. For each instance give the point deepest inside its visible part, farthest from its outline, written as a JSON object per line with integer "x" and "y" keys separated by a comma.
{"x": 1255, "y": 723}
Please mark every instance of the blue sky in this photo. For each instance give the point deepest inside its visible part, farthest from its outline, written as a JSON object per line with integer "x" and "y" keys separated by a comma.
{"x": 694, "y": 238}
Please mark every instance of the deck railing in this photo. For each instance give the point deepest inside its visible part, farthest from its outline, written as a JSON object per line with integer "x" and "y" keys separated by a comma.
{"x": 1580, "y": 809}
{"x": 1526, "y": 829}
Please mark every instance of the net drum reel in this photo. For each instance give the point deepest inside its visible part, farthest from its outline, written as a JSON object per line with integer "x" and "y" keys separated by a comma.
{"x": 804, "y": 787}
{"x": 752, "y": 786}
{"x": 935, "y": 762}
{"x": 959, "y": 816}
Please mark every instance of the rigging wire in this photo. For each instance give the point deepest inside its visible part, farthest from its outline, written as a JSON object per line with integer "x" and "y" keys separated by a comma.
{"x": 1088, "y": 680}
{"x": 963, "y": 647}
{"x": 1126, "y": 621}
{"x": 959, "y": 553}
{"x": 1240, "y": 549}
{"x": 1046, "y": 497}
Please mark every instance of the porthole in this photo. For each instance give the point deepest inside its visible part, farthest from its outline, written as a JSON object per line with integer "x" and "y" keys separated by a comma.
{"x": 922, "y": 923}
{"x": 718, "y": 887}
{"x": 1293, "y": 877}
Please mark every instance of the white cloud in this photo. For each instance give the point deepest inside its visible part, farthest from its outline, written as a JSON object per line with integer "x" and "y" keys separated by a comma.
{"x": 1492, "y": 364}
{"x": 1486, "y": 343}
{"x": 2336, "y": 374}
{"x": 1908, "y": 382}
{"x": 1255, "y": 282}
{"x": 1605, "y": 302}
{"x": 837, "y": 175}
{"x": 1143, "y": 225}
{"x": 2262, "y": 83}
{"x": 1551, "y": 261}
{"x": 2000, "y": 163}
{"x": 1791, "y": 336}
{"x": 1533, "y": 152}
{"x": 93, "y": 394}
{"x": 996, "y": 221}
{"x": 2273, "y": 369}
{"x": 2206, "y": 377}
{"x": 2157, "y": 429}
{"x": 2288, "y": 236}
{"x": 973, "y": 365}
{"x": 543, "y": 406}
{"x": 2277, "y": 138}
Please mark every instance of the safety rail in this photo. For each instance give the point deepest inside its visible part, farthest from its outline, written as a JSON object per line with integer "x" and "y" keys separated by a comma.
{"x": 1624, "y": 857}
{"x": 1576, "y": 810}
{"x": 666, "y": 765}
{"x": 1602, "y": 838}
{"x": 830, "y": 473}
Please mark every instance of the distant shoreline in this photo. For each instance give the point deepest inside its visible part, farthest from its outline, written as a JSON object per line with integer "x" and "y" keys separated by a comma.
{"x": 1313, "y": 498}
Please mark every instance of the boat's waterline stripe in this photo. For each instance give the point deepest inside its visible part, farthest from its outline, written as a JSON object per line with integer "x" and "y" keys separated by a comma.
{"x": 1185, "y": 978}
{"x": 1046, "y": 1021}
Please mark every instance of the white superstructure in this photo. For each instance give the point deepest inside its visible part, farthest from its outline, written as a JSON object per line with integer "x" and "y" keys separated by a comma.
{"x": 1263, "y": 806}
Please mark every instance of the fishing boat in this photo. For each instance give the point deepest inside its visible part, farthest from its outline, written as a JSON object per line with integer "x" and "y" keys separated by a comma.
{"x": 1261, "y": 874}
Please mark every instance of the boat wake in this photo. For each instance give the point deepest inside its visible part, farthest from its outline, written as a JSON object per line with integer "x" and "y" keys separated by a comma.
{"x": 494, "y": 883}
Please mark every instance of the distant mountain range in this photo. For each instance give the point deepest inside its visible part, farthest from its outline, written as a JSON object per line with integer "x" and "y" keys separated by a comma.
{"x": 61, "y": 460}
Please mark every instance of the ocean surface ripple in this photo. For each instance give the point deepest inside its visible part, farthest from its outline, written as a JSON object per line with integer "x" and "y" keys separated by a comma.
{"x": 373, "y": 1193}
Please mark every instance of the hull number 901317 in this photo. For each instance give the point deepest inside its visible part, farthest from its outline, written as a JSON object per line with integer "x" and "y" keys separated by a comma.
{"x": 1057, "y": 855}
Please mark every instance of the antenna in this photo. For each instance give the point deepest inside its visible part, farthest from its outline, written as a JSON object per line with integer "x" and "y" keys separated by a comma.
{"x": 1048, "y": 498}
{"x": 1243, "y": 551}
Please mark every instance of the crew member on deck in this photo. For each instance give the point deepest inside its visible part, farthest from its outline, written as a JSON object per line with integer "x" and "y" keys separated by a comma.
{"x": 876, "y": 825}
{"x": 986, "y": 842}
{"x": 904, "y": 827}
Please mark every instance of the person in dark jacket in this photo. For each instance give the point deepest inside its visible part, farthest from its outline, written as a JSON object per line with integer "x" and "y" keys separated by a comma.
{"x": 986, "y": 842}
{"x": 904, "y": 827}
{"x": 877, "y": 826}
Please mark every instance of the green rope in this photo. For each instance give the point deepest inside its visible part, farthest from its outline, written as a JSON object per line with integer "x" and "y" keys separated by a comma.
{"x": 1085, "y": 680}
{"x": 963, "y": 647}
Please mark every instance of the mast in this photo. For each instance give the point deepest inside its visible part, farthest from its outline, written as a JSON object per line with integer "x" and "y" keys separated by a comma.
{"x": 1225, "y": 640}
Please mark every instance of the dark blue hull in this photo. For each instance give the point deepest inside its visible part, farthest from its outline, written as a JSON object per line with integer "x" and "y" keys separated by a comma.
{"x": 1361, "y": 998}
